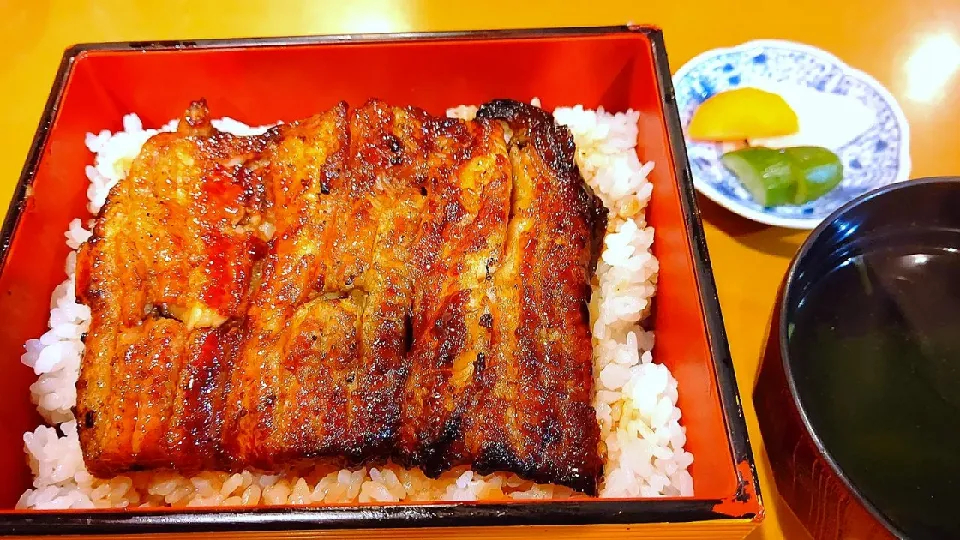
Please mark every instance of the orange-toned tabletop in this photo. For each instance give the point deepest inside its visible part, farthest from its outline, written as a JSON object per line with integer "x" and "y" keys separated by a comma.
{"x": 911, "y": 46}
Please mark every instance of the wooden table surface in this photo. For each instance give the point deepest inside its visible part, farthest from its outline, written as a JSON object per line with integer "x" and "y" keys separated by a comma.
{"x": 911, "y": 46}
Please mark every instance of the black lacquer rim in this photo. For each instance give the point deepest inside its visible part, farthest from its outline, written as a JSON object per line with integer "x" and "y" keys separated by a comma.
{"x": 783, "y": 326}
{"x": 709, "y": 298}
{"x": 24, "y": 185}
{"x": 429, "y": 515}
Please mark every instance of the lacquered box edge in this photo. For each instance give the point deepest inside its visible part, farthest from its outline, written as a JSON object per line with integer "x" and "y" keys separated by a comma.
{"x": 22, "y": 190}
{"x": 746, "y": 502}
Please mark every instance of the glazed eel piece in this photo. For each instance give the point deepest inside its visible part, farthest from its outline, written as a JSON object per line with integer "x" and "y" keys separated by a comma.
{"x": 325, "y": 358}
{"x": 533, "y": 411}
{"x": 166, "y": 275}
{"x": 501, "y": 366}
{"x": 459, "y": 245}
{"x": 359, "y": 285}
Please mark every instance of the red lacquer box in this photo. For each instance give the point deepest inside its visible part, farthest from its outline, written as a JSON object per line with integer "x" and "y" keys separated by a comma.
{"x": 263, "y": 80}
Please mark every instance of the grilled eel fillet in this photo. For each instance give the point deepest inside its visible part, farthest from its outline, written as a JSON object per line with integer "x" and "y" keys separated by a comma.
{"x": 360, "y": 285}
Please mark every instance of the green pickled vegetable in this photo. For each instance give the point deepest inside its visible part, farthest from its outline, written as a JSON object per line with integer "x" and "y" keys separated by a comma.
{"x": 776, "y": 177}
{"x": 817, "y": 171}
{"x": 766, "y": 174}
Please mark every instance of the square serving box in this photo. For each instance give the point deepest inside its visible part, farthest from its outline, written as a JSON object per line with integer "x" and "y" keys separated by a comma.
{"x": 262, "y": 80}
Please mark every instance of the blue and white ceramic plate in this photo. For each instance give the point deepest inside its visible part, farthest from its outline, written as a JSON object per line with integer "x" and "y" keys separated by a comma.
{"x": 839, "y": 107}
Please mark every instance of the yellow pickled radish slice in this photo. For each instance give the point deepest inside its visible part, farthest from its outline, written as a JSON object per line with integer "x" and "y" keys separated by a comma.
{"x": 744, "y": 113}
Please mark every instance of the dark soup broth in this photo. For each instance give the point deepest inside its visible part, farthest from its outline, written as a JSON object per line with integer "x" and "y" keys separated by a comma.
{"x": 875, "y": 351}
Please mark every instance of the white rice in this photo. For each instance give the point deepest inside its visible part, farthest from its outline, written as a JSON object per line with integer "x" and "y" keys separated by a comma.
{"x": 641, "y": 436}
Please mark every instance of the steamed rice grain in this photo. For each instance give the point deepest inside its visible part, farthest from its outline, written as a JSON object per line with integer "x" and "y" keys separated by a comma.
{"x": 641, "y": 435}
